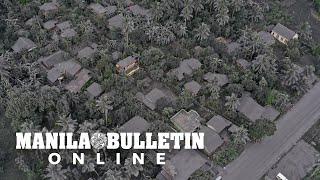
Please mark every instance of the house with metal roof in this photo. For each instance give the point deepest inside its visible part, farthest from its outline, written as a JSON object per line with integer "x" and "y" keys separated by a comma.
{"x": 283, "y": 34}
{"x": 94, "y": 90}
{"x": 232, "y": 47}
{"x": 81, "y": 79}
{"x": 138, "y": 10}
{"x": 86, "y": 52}
{"x": 212, "y": 140}
{"x": 250, "y": 108}
{"x": 97, "y": 9}
{"x": 116, "y": 22}
{"x": 254, "y": 111}
{"x": 128, "y": 65}
{"x": 192, "y": 87}
{"x": 68, "y": 33}
{"x": 55, "y": 58}
{"x": 186, "y": 67}
{"x": 49, "y": 25}
{"x": 136, "y": 124}
{"x": 49, "y": 8}
{"x": 111, "y": 10}
{"x": 270, "y": 113}
{"x": 68, "y": 68}
{"x": 243, "y": 64}
{"x": 184, "y": 163}
{"x": 64, "y": 25}
{"x": 23, "y": 44}
{"x": 186, "y": 121}
{"x": 220, "y": 79}
{"x": 151, "y": 99}
{"x": 218, "y": 123}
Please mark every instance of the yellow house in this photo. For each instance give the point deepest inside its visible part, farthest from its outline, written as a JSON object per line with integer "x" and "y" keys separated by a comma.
{"x": 128, "y": 65}
{"x": 283, "y": 34}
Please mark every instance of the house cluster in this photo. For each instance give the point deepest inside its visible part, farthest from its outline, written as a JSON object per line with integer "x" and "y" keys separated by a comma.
{"x": 67, "y": 71}
{"x": 116, "y": 21}
{"x": 186, "y": 162}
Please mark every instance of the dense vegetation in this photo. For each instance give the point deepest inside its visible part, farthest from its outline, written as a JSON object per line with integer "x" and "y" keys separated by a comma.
{"x": 177, "y": 30}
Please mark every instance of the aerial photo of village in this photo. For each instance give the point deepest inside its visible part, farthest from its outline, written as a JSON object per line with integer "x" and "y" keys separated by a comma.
{"x": 243, "y": 72}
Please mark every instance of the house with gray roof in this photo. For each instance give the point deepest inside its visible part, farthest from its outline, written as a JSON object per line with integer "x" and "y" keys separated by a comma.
{"x": 68, "y": 68}
{"x": 86, "y": 52}
{"x": 218, "y": 123}
{"x": 111, "y": 10}
{"x": 55, "y": 58}
{"x": 151, "y": 99}
{"x": 68, "y": 33}
{"x": 186, "y": 121}
{"x": 297, "y": 163}
{"x": 23, "y": 44}
{"x": 138, "y": 10}
{"x": 128, "y": 3}
{"x": 192, "y": 87}
{"x": 283, "y": 34}
{"x": 116, "y": 22}
{"x": 186, "y": 67}
{"x": 242, "y": 63}
{"x": 49, "y": 25}
{"x": 97, "y": 9}
{"x": 135, "y": 125}
{"x": 49, "y": 8}
{"x": 32, "y": 21}
{"x": 270, "y": 113}
{"x": 232, "y": 47}
{"x": 184, "y": 163}
{"x": 220, "y": 79}
{"x": 76, "y": 85}
{"x": 212, "y": 140}
{"x": 94, "y": 90}
{"x": 64, "y": 25}
{"x": 266, "y": 38}
{"x": 250, "y": 108}
{"x": 254, "y": 111}
{"x": 128, "y": 66}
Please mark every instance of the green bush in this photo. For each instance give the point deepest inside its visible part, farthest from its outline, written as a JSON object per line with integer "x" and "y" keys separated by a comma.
{"x": 261, "y": 129}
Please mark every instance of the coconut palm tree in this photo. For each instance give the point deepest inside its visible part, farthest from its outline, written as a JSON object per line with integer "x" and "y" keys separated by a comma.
{"x": 3, "y": 68}
{"x": 241, "y": 135}
{"x": 264, "y": 64}
{"x": 202, "y": 32}
{"x": 187, "y": 11}
{"x": 292, "y": 76}
{"x": 55, "y": 172}
{"x": 67, "y": 124}
{"x": 128, "y": 27}
{"x": 214, "y": 63}
{"x": 232, "y": 102}
{"x": 104, "y": 104}
{"x": 181, "y": 30}
{"x": 223, "y": 17}
{"x": 214, "y": 91}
